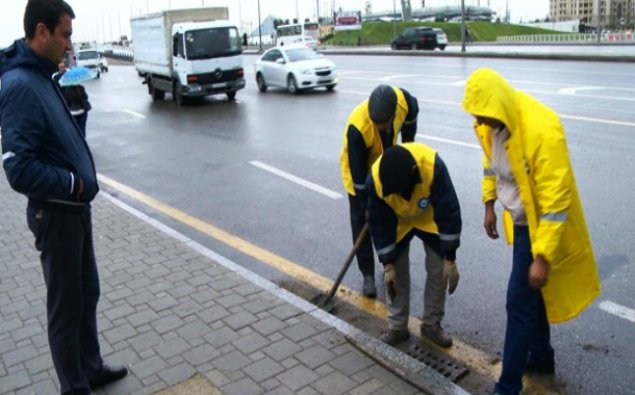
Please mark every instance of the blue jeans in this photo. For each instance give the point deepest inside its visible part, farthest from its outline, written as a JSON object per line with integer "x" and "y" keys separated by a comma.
{"x": 527, "y": 334}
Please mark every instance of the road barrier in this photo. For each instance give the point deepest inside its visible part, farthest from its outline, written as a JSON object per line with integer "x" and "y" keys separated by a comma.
{"x": 119, "y": 53}
{"x": 622, "y": 37}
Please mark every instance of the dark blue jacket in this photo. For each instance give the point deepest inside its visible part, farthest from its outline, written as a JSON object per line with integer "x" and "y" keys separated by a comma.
{"x": 43, "y": 152}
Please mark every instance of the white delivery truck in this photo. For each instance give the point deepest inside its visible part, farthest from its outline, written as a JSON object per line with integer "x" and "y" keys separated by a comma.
{"x": 189, "y": 53}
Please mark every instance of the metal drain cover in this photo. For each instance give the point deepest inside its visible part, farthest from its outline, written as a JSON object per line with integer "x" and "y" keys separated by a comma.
{"x": 445, "y": 365}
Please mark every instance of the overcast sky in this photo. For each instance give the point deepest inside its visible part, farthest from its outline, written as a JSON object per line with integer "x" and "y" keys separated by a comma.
{"x": 106, "y": 20}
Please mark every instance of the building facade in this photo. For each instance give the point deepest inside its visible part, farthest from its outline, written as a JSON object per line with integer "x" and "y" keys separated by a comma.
{"x": 614, "y": 14}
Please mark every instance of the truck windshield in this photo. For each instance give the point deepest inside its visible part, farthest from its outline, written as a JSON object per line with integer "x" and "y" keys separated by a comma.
{"x": 212, "y": 43}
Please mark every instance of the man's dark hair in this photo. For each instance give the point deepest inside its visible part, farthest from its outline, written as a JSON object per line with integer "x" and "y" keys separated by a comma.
{"x": 48, "y": 12}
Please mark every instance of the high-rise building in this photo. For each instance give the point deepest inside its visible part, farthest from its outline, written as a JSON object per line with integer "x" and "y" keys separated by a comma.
{"x": 614, "y": 13}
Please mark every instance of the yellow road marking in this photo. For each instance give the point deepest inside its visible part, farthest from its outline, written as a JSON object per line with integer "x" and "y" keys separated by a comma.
{"x": 476, "y": 359}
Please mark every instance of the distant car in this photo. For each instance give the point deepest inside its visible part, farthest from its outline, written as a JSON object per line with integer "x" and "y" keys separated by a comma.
{"x": 90, "y": 59}
{"x": 420, "y": 38}
{"x": 294, "y": 68}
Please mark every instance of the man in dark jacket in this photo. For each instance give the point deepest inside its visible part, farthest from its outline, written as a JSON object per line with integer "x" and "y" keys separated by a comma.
{"x": 411, "y": 194}
{"x": 46, "y": 158}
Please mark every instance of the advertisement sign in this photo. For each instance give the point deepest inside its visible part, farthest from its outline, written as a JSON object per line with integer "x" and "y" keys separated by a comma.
{"x": 347, "y": 20}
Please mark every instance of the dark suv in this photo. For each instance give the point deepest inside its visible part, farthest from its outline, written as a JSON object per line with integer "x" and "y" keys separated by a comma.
{"x": 420, "y": 38}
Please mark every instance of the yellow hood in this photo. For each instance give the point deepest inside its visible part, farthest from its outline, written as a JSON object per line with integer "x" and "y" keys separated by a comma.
{"x": 488, "y": 94}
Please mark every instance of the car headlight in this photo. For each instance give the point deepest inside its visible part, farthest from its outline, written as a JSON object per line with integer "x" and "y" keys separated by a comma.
{"x": 307, "y": 72}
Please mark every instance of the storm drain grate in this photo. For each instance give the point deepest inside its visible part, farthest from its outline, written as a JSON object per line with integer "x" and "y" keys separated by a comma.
{"x": 443, "y": 364}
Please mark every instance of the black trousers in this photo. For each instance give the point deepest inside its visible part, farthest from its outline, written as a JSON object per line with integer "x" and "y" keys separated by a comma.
{"x": 365, "y": 257}
{"x": 65, "y": 242}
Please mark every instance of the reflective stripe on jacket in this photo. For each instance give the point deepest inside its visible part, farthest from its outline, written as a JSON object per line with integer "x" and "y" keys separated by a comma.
{"x": 539, "y": 160}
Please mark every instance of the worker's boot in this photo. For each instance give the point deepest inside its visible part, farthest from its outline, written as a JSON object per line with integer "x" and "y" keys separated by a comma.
{"x": 395, "y": 336}
{"x": 436, "y": 335}
{"x": 369, "y": 289}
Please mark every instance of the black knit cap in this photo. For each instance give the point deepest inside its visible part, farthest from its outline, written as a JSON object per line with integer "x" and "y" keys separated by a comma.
{"x": 395, "y": 170}
{"x": 382, "y": 103}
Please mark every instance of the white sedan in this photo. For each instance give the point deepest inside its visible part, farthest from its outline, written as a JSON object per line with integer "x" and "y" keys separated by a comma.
{"x": 294, "y": 68}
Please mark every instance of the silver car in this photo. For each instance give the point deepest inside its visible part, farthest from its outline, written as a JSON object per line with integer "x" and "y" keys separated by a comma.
{"x": 295, "y": 68}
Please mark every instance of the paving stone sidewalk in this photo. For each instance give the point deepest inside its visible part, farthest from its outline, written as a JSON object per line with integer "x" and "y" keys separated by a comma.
{"x": 171, "y": 313}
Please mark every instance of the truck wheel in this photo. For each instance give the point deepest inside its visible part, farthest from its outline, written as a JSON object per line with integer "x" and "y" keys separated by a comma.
{"x": 157, "y": 95}
{"x": 262, "y": 85}
{"x": 231, "y": 95}
{"x": 292, "y": 85}
{"x": 177, "y": 93}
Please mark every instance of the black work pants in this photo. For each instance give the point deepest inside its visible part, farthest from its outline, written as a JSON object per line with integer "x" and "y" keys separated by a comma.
{"x": 365, "y": 257}
{"x": 65, "y": 242}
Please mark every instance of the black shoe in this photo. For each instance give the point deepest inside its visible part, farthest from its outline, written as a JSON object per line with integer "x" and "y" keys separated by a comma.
{"x": 107, "y": 375}
{"x": 368, "y": 289}
{"x": 546, "y": 367}
{"x": 395, "y": 336}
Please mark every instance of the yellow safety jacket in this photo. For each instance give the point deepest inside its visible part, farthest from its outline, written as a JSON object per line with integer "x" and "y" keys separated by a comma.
{"x": 538, "y": 156}
{"x": 432, "y": 212}
{"x": 360, "y": 119}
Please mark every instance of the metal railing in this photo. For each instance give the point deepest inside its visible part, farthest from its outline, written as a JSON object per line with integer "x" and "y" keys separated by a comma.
{"x": 623, "y": 37}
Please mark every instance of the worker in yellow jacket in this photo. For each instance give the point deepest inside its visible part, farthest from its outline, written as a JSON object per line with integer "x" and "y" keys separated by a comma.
{"x": 411, "y": 194}
{"x": 554, "y": 276}
{"x": 373, "y": 126}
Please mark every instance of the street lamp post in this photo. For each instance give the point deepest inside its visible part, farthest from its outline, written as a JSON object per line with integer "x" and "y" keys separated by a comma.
{"x": 394, "y": 19}
{"x": 259, "y": 27}
{"x": 462, "y": 25}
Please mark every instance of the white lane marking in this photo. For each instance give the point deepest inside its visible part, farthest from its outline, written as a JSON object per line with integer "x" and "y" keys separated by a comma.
{"x": 618, "y": 310}
{"x": 300, "y": 181}
{"x": 575, "y": 89}
{"x": 459, "y": 83}
{"x": 136, "y": 114}
{"x": 397, "y": 76}
{"x": 448, "y": 141}
{"x": 597, "y": 120}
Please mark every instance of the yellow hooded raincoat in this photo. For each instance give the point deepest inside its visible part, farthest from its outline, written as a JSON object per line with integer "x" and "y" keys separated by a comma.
{"x": 539, "y": 160}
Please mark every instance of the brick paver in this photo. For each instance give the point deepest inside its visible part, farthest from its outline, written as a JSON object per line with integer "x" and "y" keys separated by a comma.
{"x": 170, "y": 312}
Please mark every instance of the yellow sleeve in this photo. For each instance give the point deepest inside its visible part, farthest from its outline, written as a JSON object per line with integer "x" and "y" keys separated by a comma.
{"x": 552, "y": 177}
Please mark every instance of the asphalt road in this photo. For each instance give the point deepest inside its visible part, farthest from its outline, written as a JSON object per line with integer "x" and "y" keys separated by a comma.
{"x": 207, "y": 159}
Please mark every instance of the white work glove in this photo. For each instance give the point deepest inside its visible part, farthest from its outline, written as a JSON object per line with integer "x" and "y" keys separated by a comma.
{"x": 450, "y": 276}
{"x": 389, "y": 279}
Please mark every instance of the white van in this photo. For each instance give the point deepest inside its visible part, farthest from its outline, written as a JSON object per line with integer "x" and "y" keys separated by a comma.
{"x": 89, "y": 58}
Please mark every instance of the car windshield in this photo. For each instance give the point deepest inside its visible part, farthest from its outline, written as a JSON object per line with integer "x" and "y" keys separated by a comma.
{"x": 299, "y": 54}
{"x": 85, "y": 55}
{"x": 212, "y": 43}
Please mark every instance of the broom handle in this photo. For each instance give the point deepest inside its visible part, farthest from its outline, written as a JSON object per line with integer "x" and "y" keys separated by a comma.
{"x": 349, "y": 259}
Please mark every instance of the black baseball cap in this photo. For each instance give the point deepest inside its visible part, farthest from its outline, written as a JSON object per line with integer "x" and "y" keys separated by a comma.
{"x": 382, "y": 103}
